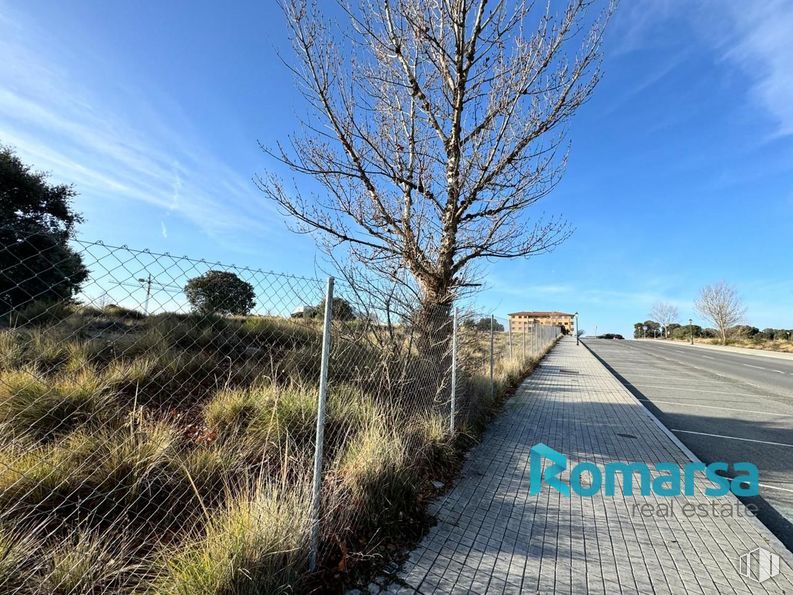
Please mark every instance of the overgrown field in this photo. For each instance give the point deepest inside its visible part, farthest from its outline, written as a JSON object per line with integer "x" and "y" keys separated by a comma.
{"x": 173, "y": 453}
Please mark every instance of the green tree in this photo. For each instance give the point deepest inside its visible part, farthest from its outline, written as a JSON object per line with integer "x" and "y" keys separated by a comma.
{"x": 342, "y": 310}
{"x": 36, "y": 224}
{"x": 483, "y": 324}
{"x": 684, "y": 331}
{"x": 220, "y": 292}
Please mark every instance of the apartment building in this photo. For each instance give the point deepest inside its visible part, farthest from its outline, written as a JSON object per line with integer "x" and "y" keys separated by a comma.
{"x": 522, "y": 321}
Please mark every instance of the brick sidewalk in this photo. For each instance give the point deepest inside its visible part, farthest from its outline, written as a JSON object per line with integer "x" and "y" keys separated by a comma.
{"x": 492, "y": 537}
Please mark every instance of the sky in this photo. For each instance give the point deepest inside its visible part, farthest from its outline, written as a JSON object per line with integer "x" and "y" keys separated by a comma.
{"x": 680, "y": 172}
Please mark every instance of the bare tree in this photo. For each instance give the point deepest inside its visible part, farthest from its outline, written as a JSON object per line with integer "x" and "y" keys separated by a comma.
{"x": 721, "y": 305}
{"x": 435, "y": 125}
{"x": 665, "y": 314}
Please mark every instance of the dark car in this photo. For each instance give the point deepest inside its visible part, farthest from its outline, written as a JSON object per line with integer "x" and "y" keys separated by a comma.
{"x": 610, "y": 336}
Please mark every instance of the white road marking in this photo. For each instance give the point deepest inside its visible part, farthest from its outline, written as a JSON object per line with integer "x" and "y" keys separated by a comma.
{"x": 768, "y": 487}
{"x": 708, "y": 357}
{"x": 733, "y": 438}
{"x": 726, "y": 392}
{"x": 715, "y": 407}
{"x": 765, "y": 485}
{"x": 766, "y": 369}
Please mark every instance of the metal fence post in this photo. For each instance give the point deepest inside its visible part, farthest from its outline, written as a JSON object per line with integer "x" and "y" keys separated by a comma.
{"x": 323, "y": 394}
{"x": 523, "y": 342}
{"x": 453, "y": 411}
{"x": 492, "y": 385}
{"x": 534, "y": 338}
{"x": 511, "y": 356}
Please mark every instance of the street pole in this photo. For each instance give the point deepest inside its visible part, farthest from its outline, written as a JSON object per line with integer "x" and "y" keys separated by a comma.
{"x": 691, "y": 328}
{"x": 575, "y": 325}
{"x": 147, "y": 281}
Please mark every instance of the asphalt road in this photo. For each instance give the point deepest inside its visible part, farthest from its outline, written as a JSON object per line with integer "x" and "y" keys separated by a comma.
{"x": 723, "y": 406}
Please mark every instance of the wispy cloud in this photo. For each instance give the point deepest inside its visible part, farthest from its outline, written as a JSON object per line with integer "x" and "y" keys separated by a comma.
{"x": 104, "y": 137}
{"x": 755, "y": 37}
{"x": 763, "y": 49}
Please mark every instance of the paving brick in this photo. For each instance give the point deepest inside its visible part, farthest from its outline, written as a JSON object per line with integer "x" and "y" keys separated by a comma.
{"x": 492, "y": 537}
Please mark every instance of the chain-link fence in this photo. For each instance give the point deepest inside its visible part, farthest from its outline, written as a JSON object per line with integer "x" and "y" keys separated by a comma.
{"x": 182, "y": 426}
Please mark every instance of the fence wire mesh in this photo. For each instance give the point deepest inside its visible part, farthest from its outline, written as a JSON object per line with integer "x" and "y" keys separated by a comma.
{"x": 158, "y": 428}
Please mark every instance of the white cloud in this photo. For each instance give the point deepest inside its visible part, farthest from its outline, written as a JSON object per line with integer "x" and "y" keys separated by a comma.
{"x": 111, "y": 140}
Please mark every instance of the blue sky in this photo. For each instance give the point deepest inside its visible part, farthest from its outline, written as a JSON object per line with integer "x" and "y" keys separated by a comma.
{"x": 681, "y": 171}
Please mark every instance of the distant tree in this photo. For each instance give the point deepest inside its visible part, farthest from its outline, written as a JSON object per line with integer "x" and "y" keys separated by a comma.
{"x": 721, "y": 305}
{"x": 775, "y": 334}
{"x": 684, "y": 331}
{"x": 646, "y": 329}
{"x": 36, "y": 224}
{"x": 220, "y": 292}
{"x": 342, "y": 310}
{"x": 483, "y": 324}
{"x": 744, "y": 330}
{"x": 665, "y": 314}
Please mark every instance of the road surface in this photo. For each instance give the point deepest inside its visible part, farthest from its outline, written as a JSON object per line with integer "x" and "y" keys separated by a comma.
{"x": 723, "y": 406}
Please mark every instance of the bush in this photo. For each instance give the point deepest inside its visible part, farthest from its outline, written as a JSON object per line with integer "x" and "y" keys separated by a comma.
{"x": 220, "y": 292}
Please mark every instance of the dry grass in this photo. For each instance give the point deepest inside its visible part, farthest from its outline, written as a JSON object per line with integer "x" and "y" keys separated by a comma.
{"x": 255, "y": 544}
{"x": 170, "y": 453}
{"x": 783, "y": 346}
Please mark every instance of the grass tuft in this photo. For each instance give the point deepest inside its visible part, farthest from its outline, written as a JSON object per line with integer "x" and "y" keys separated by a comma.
{"x": 19, "y": 560}
{"x": 33, "y": 404}
{"x": 90, "y": 562}
{"x": 256, "y": 544}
